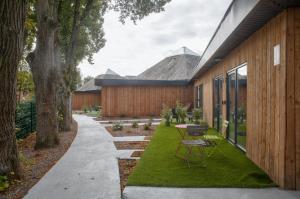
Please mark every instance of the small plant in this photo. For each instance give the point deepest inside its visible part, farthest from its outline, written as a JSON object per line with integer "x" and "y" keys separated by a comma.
{"x": 135, "y": 125}
{"x": 181, "y": 111}
{"x": 85, "y": 109}
{"x": 117, "y": 127}
{"x": 166, "y": 113}
{"x": 146, "y": 127}
{"x": 197, "y": 112}
{"x": 3, "y": 183}
{"x": 150, "y": 121}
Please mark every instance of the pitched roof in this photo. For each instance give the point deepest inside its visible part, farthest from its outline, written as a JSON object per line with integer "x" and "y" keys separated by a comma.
{"x": 173, "y": 70}
{"x": 177, "y": 67}
{"x": 89, "y": 86}
{"x": 110, "y": 74}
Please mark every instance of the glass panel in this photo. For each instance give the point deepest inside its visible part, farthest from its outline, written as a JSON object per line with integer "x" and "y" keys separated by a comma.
{"x": 242, "y": 106}
{"x": 201, "y": 96}
{"x": 215, "y": 96}
{"x": 231, "y": 106}
{"x": 220, "y": 103}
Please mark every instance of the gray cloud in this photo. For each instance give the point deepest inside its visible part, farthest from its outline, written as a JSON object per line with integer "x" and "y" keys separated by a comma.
{"x": 130, "y": 49}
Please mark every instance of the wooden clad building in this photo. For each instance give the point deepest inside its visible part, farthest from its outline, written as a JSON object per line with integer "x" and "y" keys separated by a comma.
{"x": 250, "y": 75}
{"x": 88, "y": 95}
{"x": 144, "y": 95}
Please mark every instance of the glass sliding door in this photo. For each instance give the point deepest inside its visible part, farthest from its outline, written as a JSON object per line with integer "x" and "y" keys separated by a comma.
{"x": 231, "y": 93}
{"x": 218, "y": 90}
{"x": 237, "y": 105}
{"x": 241, "y": 105}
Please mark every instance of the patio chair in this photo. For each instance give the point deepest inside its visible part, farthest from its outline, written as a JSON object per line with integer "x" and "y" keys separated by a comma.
{"x": 215, "y": 140}
{"x": 194, "y": 132}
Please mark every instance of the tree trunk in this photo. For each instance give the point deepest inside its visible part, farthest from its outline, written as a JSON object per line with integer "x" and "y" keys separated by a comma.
{"x": 65, "y": 108}
{"x": 12, "y": 19}
{"x": 44, "y": 63}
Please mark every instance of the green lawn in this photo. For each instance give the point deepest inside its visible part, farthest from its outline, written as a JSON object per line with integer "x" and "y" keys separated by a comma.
{"x": 228, "y": 167}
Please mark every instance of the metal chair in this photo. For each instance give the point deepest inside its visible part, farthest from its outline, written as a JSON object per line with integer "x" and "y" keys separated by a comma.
{"x": 215, "y": 140}
{"x": 194, "y": 132}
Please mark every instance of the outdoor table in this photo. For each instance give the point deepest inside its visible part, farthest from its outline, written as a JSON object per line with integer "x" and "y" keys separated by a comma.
{"x": 182, "y": 130}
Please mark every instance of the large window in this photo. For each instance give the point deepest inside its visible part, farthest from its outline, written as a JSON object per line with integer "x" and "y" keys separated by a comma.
{"x": 199, "y": 97}
{"x": 217, "y": 97}
{"x": 237, "y": 105}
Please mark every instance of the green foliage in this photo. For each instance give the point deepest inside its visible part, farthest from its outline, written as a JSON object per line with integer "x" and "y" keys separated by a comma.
{"x": 181, "y": 111}
{"x": 146, "y": 127}
{"x": 3, "y": 183}
{"x": 25, "y": 84}
{"x": 85, "y": 109}
{"x": 117, "y": 126}
{"x": 197, "y": 112}
{"x": 166, "y": 113}
{"x": 135, "y": 125}
{"x": 136, "y": 10}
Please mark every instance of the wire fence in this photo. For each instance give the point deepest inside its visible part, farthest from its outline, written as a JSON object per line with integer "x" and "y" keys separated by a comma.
{"x": 25, "y": 119}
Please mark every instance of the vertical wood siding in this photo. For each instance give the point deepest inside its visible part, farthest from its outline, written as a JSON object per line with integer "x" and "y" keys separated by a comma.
{"x": 137, "y": 101}
{"x": 273, "y": 96}
{"x": 82, "y": 99}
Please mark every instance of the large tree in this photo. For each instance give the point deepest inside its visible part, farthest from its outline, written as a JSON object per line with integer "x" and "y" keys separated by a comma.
{"x": 12, "y": 22}
{"x": 76, "y": 27}
{"x": 44, "y": 62}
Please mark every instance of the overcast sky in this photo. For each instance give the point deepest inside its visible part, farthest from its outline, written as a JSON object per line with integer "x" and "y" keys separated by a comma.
{"x": 130, "y": 49}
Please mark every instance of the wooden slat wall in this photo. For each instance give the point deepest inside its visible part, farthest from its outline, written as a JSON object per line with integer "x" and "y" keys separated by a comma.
{"x": 292, "y": 155}
{"x": 273, "y": 96}
{"x": 297, "y": 93}
{"x": 81, "y": 99}
{"x": 137, "y": 101}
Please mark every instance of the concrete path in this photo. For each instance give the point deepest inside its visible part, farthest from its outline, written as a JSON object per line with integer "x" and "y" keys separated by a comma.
{"x": 132, "y": 192}
{"x": 89, "y": 169}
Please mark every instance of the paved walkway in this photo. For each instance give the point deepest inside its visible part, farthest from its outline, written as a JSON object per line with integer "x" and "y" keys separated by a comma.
{"x": 89, "y": 169}
{"x": 132, "y": 192}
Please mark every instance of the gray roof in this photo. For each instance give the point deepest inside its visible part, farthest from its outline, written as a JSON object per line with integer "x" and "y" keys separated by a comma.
{"x": 109, "y": 74}
{"x": 89, "y": 87}
{"x": 178, "y": 67}
{"x": 241, "y": 20}
{"x": 173, "y": 70}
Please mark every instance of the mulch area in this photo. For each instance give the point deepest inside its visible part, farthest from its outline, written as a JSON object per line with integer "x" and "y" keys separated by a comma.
{"x": 121, "y": 145}
{"x": 137, "y": 154}
{"x": 129, "y": 131}
{"x": 126, "y": 167}
{"x": 35, "y": 163}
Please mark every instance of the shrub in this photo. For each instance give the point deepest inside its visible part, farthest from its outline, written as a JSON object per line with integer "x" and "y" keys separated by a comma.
{"x": 197, "y": 112}
{"x": 166, "y": 113}
{"x": 150, "y": 122}
{"x": 181, "y": 111}
{"x": 3, "y": 183}
{"x": 96, "y": 108}
{"x": 85, "y": 109}
{"x": 117, "y": 127}
{"x": 146, "y": 127}
{"x": 135, "y": 125}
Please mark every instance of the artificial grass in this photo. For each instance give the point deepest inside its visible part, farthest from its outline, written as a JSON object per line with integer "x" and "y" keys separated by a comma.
{"x": 227, "y": 167}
